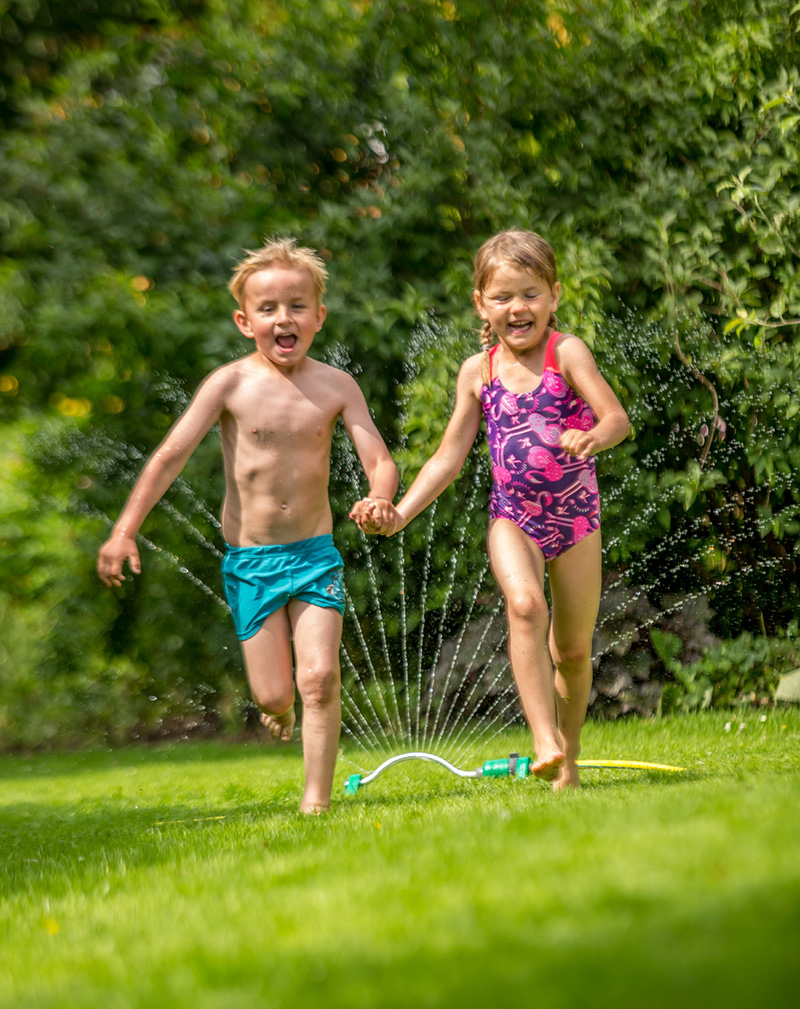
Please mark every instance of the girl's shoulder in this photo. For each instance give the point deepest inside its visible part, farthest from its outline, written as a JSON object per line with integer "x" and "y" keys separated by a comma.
{"x": 471, "y": 372}
{"x": 571, "y": 349}
{"x": 473, "y": 363}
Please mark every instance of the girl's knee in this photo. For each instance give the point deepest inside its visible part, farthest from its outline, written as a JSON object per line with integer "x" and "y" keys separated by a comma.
{"x": 527, "y": 607}
{"x": 573, "y": 657}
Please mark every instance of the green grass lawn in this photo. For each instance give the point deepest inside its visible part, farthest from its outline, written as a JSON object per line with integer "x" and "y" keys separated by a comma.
{"x": 181, "y": 875}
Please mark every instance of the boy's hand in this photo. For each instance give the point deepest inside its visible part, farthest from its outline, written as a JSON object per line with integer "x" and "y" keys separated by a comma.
{"x": 113, "y": 554}
{"x": 376, "y": 516}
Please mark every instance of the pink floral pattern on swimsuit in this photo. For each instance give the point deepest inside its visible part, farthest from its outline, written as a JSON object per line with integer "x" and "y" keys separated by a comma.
{"x": 548, "y": 493}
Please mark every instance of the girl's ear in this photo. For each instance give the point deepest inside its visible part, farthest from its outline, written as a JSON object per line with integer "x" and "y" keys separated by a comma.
{"x": 556, "y": 295}
{"x": 477, "y": 299}
{"x": 243, "y": 324}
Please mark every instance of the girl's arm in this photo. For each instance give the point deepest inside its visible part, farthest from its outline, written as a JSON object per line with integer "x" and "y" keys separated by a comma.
{"x": 446, "y": 462}
{"x": 578, "y": 367}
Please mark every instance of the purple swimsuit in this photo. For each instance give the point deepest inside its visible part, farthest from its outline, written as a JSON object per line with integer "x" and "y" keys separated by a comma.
{"x": 548, "y": 493}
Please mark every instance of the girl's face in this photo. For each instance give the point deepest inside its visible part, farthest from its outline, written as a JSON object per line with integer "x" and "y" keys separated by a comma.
{"x": 517, "y": 303}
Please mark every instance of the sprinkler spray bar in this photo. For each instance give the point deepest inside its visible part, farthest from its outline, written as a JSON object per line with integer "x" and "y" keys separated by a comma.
{"x": 512, "y": 766}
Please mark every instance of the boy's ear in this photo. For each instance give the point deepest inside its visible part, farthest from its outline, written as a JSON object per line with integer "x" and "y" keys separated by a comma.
{"x": 243, "y": 324}
{"x": 477, "y": 299}
{"x": 322, "y": 315}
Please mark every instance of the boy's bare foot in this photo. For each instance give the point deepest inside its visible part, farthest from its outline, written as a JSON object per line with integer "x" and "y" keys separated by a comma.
{"x": 314, "y": 808}
{"x": 549, "y": 767}
{"x": 567, "y": 777}
{"x": 280, "y": 726}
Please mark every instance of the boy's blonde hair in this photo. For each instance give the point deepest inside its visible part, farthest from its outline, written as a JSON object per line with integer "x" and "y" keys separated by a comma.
{"x": 280, "y": 252}
{"x": 527, "y": 251}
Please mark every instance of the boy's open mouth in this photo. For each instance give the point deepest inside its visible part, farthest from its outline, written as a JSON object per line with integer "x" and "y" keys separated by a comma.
{"x": 286, "y": 341}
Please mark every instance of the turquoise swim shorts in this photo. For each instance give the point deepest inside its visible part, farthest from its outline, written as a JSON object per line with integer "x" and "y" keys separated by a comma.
{"x": 259, "y": 580}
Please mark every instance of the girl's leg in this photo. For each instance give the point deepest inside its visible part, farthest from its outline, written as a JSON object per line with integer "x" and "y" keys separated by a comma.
{"x": 518, "y": 567}
{"x": 575, "y": 582}
{"x": 317, "y": 635}
{"x": 268, "y": 660}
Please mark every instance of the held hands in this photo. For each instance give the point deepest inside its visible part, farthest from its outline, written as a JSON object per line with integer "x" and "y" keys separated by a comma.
{"x": 579, "y": 443}
{"x": 117, "y": 549}
{"x": 376, "y": 516}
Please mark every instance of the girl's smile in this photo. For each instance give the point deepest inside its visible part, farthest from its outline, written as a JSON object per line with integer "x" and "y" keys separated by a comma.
{"x": 518, "y": 304}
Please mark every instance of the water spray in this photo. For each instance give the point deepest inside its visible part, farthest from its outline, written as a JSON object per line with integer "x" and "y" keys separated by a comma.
{"x": 513, "y": 766}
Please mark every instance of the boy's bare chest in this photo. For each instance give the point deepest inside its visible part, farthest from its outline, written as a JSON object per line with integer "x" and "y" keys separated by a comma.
{"x": 278, "y": 414}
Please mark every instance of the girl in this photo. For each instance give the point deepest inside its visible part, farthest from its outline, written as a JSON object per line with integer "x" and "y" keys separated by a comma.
{"x": 548, "y": 412}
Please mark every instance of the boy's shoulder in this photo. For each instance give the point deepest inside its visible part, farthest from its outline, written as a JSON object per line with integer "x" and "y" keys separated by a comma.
{"x": 330, "y": 374}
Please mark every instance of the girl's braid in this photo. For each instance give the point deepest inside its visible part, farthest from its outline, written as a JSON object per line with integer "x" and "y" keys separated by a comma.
{"x": 486, "y": 343}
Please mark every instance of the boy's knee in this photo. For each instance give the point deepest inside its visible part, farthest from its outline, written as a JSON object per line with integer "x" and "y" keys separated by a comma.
{"x": 273, "y": 701}
{"x": 319, "y": 685}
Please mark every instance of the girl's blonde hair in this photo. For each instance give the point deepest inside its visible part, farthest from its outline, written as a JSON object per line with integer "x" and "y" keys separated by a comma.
{"x": 527, "y": 251}
{"x": 281, "y": 252}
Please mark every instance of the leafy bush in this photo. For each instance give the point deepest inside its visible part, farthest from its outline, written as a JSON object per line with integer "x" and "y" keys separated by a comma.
{"x": 736, "y": 673}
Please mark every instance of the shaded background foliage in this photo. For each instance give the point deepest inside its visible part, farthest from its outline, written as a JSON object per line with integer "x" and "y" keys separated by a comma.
{"x": 146, "y": 144}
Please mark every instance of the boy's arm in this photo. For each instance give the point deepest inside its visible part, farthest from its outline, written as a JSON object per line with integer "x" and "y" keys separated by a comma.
{"x": 580, "y": 369}
{"x": 160, "y": 470}
{"x": 378, "y": 464}
{"x": 448, "y": 459}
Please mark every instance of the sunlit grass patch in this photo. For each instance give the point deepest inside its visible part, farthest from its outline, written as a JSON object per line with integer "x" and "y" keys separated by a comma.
{"x": 183, "y": 875}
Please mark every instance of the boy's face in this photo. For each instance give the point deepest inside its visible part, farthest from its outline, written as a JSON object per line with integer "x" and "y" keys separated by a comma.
{"x": 281, "y": 314}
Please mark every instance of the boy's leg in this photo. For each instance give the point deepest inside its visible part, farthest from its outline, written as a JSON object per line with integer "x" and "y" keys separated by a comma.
{"x": 518, "y": 567}
{"x": 317, "y": 636}
{"x": 575, "y": 583}
{"x": 268, "y": 659}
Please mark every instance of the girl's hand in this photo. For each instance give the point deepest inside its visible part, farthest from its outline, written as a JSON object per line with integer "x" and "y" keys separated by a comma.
{"x": 581, "y": 444}
{"x": 376, "y": 516}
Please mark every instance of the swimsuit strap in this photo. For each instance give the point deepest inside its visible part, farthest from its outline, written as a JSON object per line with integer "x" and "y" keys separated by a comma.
{"x": 492, "y": 352}
{"x": 550, "y": 363}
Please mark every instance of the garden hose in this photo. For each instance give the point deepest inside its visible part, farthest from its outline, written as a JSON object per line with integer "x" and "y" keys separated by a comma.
{"x": 513, "y": 766}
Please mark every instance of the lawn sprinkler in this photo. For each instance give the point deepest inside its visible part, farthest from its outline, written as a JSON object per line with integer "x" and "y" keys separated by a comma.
{"x": 512, "y": 766}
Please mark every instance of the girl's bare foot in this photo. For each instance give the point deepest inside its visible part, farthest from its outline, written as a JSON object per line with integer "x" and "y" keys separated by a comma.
{"x": 549, "y": 767}
{"x": 567, "y": 777}
{"x": 280, "y": 726}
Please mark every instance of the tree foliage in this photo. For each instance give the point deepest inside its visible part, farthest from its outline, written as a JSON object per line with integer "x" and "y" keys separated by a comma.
{"x": 145, "y": 145}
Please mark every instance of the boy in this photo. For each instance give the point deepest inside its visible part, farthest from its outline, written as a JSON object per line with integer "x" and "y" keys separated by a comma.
{"x": 277, "y": 409}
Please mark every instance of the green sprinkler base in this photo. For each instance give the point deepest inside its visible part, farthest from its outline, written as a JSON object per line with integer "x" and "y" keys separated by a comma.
{"x": 352, "y": 784}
